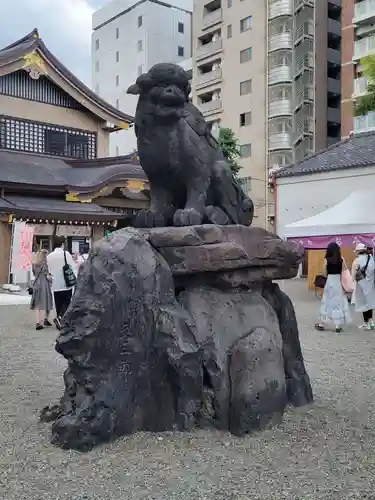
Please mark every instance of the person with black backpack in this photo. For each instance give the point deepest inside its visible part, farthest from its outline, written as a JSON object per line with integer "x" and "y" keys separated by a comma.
{"x": 363, "y": 298}
{"x": 64, "y": 277}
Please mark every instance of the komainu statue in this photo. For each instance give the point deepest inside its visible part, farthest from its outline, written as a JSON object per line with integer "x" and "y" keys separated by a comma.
{"x": 191, "y": 181}
{"x": 174, "y": 328}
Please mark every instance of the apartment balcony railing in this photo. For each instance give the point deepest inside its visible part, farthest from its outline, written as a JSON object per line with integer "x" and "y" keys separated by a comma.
{"x": 363, "y": 47}
{"x": 280, "y": 74}
{"x": 360, "y": 86}
{"x": 302, "y": 3}
{"x": 305, "y": 29}
{"x": 281, "y": 140}
{"x": 212, "y": 18}
{"x": 208, "y": 49}
{"x": 365, "y": 123}
{"x": 280, "y": 159}
{"x": 302, "y": 129}
{"x": 304, "y": 96}
{"x": 210, "y": 106}
{"x": 303, "y": 150}
{"x": 280, "y": 8}
{"x": 280, "y": 41}
{"x": 364, "y": 11}
{"x": 306, "y": 62}
{"x": 280, "y": 107}
{"x": 208, "y": 78}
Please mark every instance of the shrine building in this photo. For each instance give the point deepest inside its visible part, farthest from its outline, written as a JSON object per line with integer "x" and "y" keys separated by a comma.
{"x": 55, "y": 173}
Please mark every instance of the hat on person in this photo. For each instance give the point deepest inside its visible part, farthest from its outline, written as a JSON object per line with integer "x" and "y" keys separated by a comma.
{"x": 360, "y": 247}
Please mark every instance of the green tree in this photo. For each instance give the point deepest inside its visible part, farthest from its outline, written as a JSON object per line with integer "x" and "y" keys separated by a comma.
{"x": 366, "y": 103}
{"x": 229, "y": 146}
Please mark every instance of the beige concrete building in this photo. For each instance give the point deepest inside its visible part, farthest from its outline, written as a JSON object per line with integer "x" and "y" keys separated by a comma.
{"x": 270, "y": 71}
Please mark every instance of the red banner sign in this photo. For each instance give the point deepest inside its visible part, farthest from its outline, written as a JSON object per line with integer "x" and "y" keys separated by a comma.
{"x": 23, "y": 259}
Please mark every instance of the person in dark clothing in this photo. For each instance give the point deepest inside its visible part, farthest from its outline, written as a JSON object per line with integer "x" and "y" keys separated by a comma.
{"x": 334, "y": 307}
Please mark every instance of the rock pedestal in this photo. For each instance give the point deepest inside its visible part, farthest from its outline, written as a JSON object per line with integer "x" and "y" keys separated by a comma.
{"x": 172, "y": 328}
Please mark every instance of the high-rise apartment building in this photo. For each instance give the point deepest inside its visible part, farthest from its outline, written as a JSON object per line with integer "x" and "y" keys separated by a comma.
{"x": 129, "y": 37}
{"x": 270, "y": 71}
{"x": 358, "y": 41}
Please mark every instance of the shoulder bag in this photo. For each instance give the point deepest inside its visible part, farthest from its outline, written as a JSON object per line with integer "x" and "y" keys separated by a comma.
{"x": 360, "y": 273}
{"x": 346, "y": 278}
{"x": 69, "y": 276}
{"x": 30, "y": 289}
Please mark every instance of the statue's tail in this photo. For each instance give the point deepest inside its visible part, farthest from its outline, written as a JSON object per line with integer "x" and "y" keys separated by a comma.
{"x": 233, "y": 200}
{"x": 244, "y": 206}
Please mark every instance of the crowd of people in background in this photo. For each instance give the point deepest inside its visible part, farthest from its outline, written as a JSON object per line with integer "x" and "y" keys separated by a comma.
{"x": 343, "y": 285}
{"x": 51, "y": 289}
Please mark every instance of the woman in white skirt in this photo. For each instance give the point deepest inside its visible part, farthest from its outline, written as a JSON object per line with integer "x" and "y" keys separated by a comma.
{"x": 334, "y": 307}
{"x": 363, "y": 298}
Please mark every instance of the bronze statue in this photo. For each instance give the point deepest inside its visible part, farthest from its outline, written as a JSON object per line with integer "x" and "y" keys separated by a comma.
{"x": 191, "y": 182}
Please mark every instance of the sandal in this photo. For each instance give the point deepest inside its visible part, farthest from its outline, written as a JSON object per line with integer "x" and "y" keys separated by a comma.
{"x": 319, "y": 326}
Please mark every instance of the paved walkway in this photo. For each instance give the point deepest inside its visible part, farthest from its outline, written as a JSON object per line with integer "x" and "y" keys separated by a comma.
{"x": 326, "y": 451}
{"x": 14, "y": 299}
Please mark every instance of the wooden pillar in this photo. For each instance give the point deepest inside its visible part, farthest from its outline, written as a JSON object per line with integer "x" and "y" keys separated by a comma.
{"x": 97, "y": 233}
{"x": 5, "y": 244}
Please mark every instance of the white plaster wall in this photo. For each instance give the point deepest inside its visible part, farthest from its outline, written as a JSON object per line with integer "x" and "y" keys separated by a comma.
{"x": 307, "y": 195}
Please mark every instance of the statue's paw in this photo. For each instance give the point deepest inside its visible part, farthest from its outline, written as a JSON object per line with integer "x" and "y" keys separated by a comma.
{"x": 216, "y": 215}
{"x": 148, "y": 218}
{"x": 187, "y": 217}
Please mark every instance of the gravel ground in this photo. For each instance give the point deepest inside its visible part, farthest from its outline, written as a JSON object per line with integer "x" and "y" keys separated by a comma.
{"x": 326, "y": 451}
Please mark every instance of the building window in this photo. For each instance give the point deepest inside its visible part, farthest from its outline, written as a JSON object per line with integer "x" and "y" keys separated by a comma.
{"x": 229, "y": 4}
{"x": 44, "y": 138}
{"x": 229, "y": 31}
{"x": 180, "y": 27}
{"x": 97, "y": 44}
{"x": 140, "y": 45}
{"x": 180, "y": 51}
{"x": 245, "y": 150}
{"x": 96, "y": 66}
{"x": 117, "y": 80}
{"x": 118, "y": 103}
{"x": 140, "y": 69}
{"x": 117, "y": 33}
{"x": 246, "y": 55}
{"x": 245, "y": 119}
{"x": 245, "y": 87}
{"x": 140, "y": 21}
{"x": 245, "y": 24}
{"x": 117, "y": 55}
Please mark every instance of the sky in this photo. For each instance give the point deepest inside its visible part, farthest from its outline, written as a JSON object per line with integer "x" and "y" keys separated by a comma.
{"x": 64, "y": 26}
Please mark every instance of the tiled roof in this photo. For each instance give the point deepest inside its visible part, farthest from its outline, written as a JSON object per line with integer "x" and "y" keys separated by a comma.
{"x": 31, "y": 43}
{"x": 28, "y": 205}
{"x": 45, "y": 171}
{"x": 356, "y": 151}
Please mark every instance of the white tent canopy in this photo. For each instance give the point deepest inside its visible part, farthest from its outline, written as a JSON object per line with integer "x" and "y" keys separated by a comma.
{"x": 353, "y": 215}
